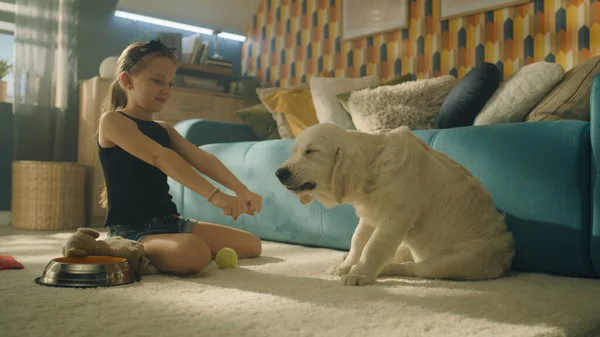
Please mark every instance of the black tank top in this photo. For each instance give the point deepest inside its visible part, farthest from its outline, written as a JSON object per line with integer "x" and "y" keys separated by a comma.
{"x": 137, "y": 191}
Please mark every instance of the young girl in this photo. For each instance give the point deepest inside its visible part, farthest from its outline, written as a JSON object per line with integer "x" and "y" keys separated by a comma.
{"x": 137, "y": 154}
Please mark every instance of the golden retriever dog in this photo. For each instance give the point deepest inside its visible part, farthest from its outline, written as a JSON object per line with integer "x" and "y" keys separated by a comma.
{"x": 421, "y": 213}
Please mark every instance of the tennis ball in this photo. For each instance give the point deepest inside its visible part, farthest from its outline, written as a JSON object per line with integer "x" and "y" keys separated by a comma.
{"x": 226, "y": 258}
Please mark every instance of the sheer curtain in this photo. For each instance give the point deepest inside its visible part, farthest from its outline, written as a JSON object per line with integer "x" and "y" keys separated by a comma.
{"x": 45, "y": 79}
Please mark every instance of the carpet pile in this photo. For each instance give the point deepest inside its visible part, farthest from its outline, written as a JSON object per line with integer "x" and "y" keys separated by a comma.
{"x": 287, "y": 292}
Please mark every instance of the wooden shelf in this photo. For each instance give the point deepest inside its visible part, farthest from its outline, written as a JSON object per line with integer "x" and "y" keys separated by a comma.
{"x": 208, "y": 92}
{"x": 206, "y": 69}
{"x": 106, "y": 82}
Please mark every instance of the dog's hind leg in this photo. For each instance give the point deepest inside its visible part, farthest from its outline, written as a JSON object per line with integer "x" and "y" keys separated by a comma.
{"x": 381, "y": 248}
{"x": 378, "y": 252}
{"x": 453, "y": 265}
{"x": 402, "y": 255}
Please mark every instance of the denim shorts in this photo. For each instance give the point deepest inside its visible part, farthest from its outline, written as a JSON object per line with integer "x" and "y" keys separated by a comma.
{"x": 160, "y": 225}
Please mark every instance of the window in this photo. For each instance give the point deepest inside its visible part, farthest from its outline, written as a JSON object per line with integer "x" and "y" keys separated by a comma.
{"x": 7, "y": 41}
{"x": 7, "y": 47}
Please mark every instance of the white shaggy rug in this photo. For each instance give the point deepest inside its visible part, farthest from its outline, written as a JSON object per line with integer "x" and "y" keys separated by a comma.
{"x": 287, "y": 293}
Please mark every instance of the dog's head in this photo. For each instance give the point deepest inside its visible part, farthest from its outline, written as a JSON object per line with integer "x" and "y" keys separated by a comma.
{"x": 315, "y": 167}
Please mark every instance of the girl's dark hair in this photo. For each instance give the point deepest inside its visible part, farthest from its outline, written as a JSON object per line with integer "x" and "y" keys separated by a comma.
{"x": 116, "y": 98}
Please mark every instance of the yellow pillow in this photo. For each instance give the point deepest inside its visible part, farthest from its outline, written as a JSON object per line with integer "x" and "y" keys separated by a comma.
{"x": 296, "y": 105}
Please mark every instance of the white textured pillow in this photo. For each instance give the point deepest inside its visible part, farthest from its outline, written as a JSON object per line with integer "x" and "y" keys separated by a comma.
{"x": 323, "y": 91}
{"x": 415, "y": 104}
{"x": 520, "y": 93}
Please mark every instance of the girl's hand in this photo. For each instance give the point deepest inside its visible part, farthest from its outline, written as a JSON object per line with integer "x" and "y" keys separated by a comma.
{"x": 230, "y": 205}
{"x": 251, "y": 201}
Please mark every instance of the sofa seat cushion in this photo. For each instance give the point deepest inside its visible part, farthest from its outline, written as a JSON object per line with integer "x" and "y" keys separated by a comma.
{"x": 283, "y": 218}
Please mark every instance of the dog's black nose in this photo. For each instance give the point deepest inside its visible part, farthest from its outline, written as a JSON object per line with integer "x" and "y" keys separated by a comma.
{"x": 283, "y": 174}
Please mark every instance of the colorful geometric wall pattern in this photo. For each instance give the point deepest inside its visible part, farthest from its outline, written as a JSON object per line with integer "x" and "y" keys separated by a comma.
{"x": 291, "y": 40}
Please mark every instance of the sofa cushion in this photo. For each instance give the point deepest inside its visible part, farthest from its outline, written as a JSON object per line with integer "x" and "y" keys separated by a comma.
{"x": 570, "y": 99}
{"x": 324, "y": 90}
{"x": 468, "y": 97}
{"x": 343, "y": 98}
{"x": 296, "y": 105}
{"x": 415, "y": 104}
{"x": 515, "y": 97}
{"x": 260, "y": 120}
{"x": 283, "y": 126}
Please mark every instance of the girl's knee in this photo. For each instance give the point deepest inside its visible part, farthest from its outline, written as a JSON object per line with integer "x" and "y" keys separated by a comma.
{"x": 254, "y": 247}
{"x": 192, "y": 256}
{"x": 196, "y": 257}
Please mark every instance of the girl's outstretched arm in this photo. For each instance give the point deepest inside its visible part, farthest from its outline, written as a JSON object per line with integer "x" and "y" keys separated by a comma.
{"x": 211, "y": 166}
{"x": 203, "y": 161}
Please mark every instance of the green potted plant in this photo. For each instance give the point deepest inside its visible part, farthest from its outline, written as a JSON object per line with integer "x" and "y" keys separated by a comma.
{"x": 4, "y": 70}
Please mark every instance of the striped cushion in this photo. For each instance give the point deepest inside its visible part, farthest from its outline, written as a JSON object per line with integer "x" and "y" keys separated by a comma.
{"x": 570, "y": 99}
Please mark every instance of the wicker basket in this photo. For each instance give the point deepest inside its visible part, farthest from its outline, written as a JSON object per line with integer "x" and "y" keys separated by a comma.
{"x": 48, "y": 195}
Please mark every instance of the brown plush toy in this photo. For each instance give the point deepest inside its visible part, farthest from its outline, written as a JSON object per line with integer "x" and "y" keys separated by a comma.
{"x": 83, "y": 243}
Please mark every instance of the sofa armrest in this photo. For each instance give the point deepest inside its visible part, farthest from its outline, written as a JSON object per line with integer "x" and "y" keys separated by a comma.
{"x": 595, "y": 178}
{"x": 595, "y": 118}
{"x": 203, "y": 131}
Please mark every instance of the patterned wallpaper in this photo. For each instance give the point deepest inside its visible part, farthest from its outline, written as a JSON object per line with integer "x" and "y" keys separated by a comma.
{"x": 291, "y": 40}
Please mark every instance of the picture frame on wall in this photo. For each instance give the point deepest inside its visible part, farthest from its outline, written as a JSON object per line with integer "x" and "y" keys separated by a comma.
{"x": 450, "y": 9}
{"x": 363, "y": 18}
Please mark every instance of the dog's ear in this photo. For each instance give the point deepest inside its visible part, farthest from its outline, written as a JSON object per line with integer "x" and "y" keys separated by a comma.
{"x": 306, "y": 199}
{"x": 339, "y": 176}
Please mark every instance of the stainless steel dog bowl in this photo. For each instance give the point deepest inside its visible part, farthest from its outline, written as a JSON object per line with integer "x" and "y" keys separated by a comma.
{"x": 84, "y": 272}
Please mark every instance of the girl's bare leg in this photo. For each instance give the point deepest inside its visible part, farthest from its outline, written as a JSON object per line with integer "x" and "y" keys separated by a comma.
{"x": 177, "y": 253}
{"x": 189, "y": 253}
{"x": 245, "y": 244}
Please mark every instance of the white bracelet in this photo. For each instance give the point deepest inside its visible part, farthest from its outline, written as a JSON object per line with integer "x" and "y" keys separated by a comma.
{"x": 212, "y": 194}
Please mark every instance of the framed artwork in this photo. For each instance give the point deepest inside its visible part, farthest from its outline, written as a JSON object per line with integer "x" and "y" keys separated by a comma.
{"x": 457, "y": 8}
{"x": 362, "y": 18}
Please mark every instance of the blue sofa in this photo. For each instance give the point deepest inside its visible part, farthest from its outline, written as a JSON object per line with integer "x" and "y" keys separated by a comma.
{"x": 543, "y": 175}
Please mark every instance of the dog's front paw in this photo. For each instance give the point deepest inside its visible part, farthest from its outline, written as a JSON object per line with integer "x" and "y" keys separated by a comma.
{"x": 357, "y": 280}
{"x": 339, "y": 270}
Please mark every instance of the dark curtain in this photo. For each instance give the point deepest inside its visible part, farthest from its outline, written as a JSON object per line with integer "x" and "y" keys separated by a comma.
{"x": 45, "y": 77}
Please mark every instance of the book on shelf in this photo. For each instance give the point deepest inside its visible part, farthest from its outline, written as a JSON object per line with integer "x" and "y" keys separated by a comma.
{"x": 218, "y": 63}
{"x": 193, "y": 82}
{"x": 194, "y": 50}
